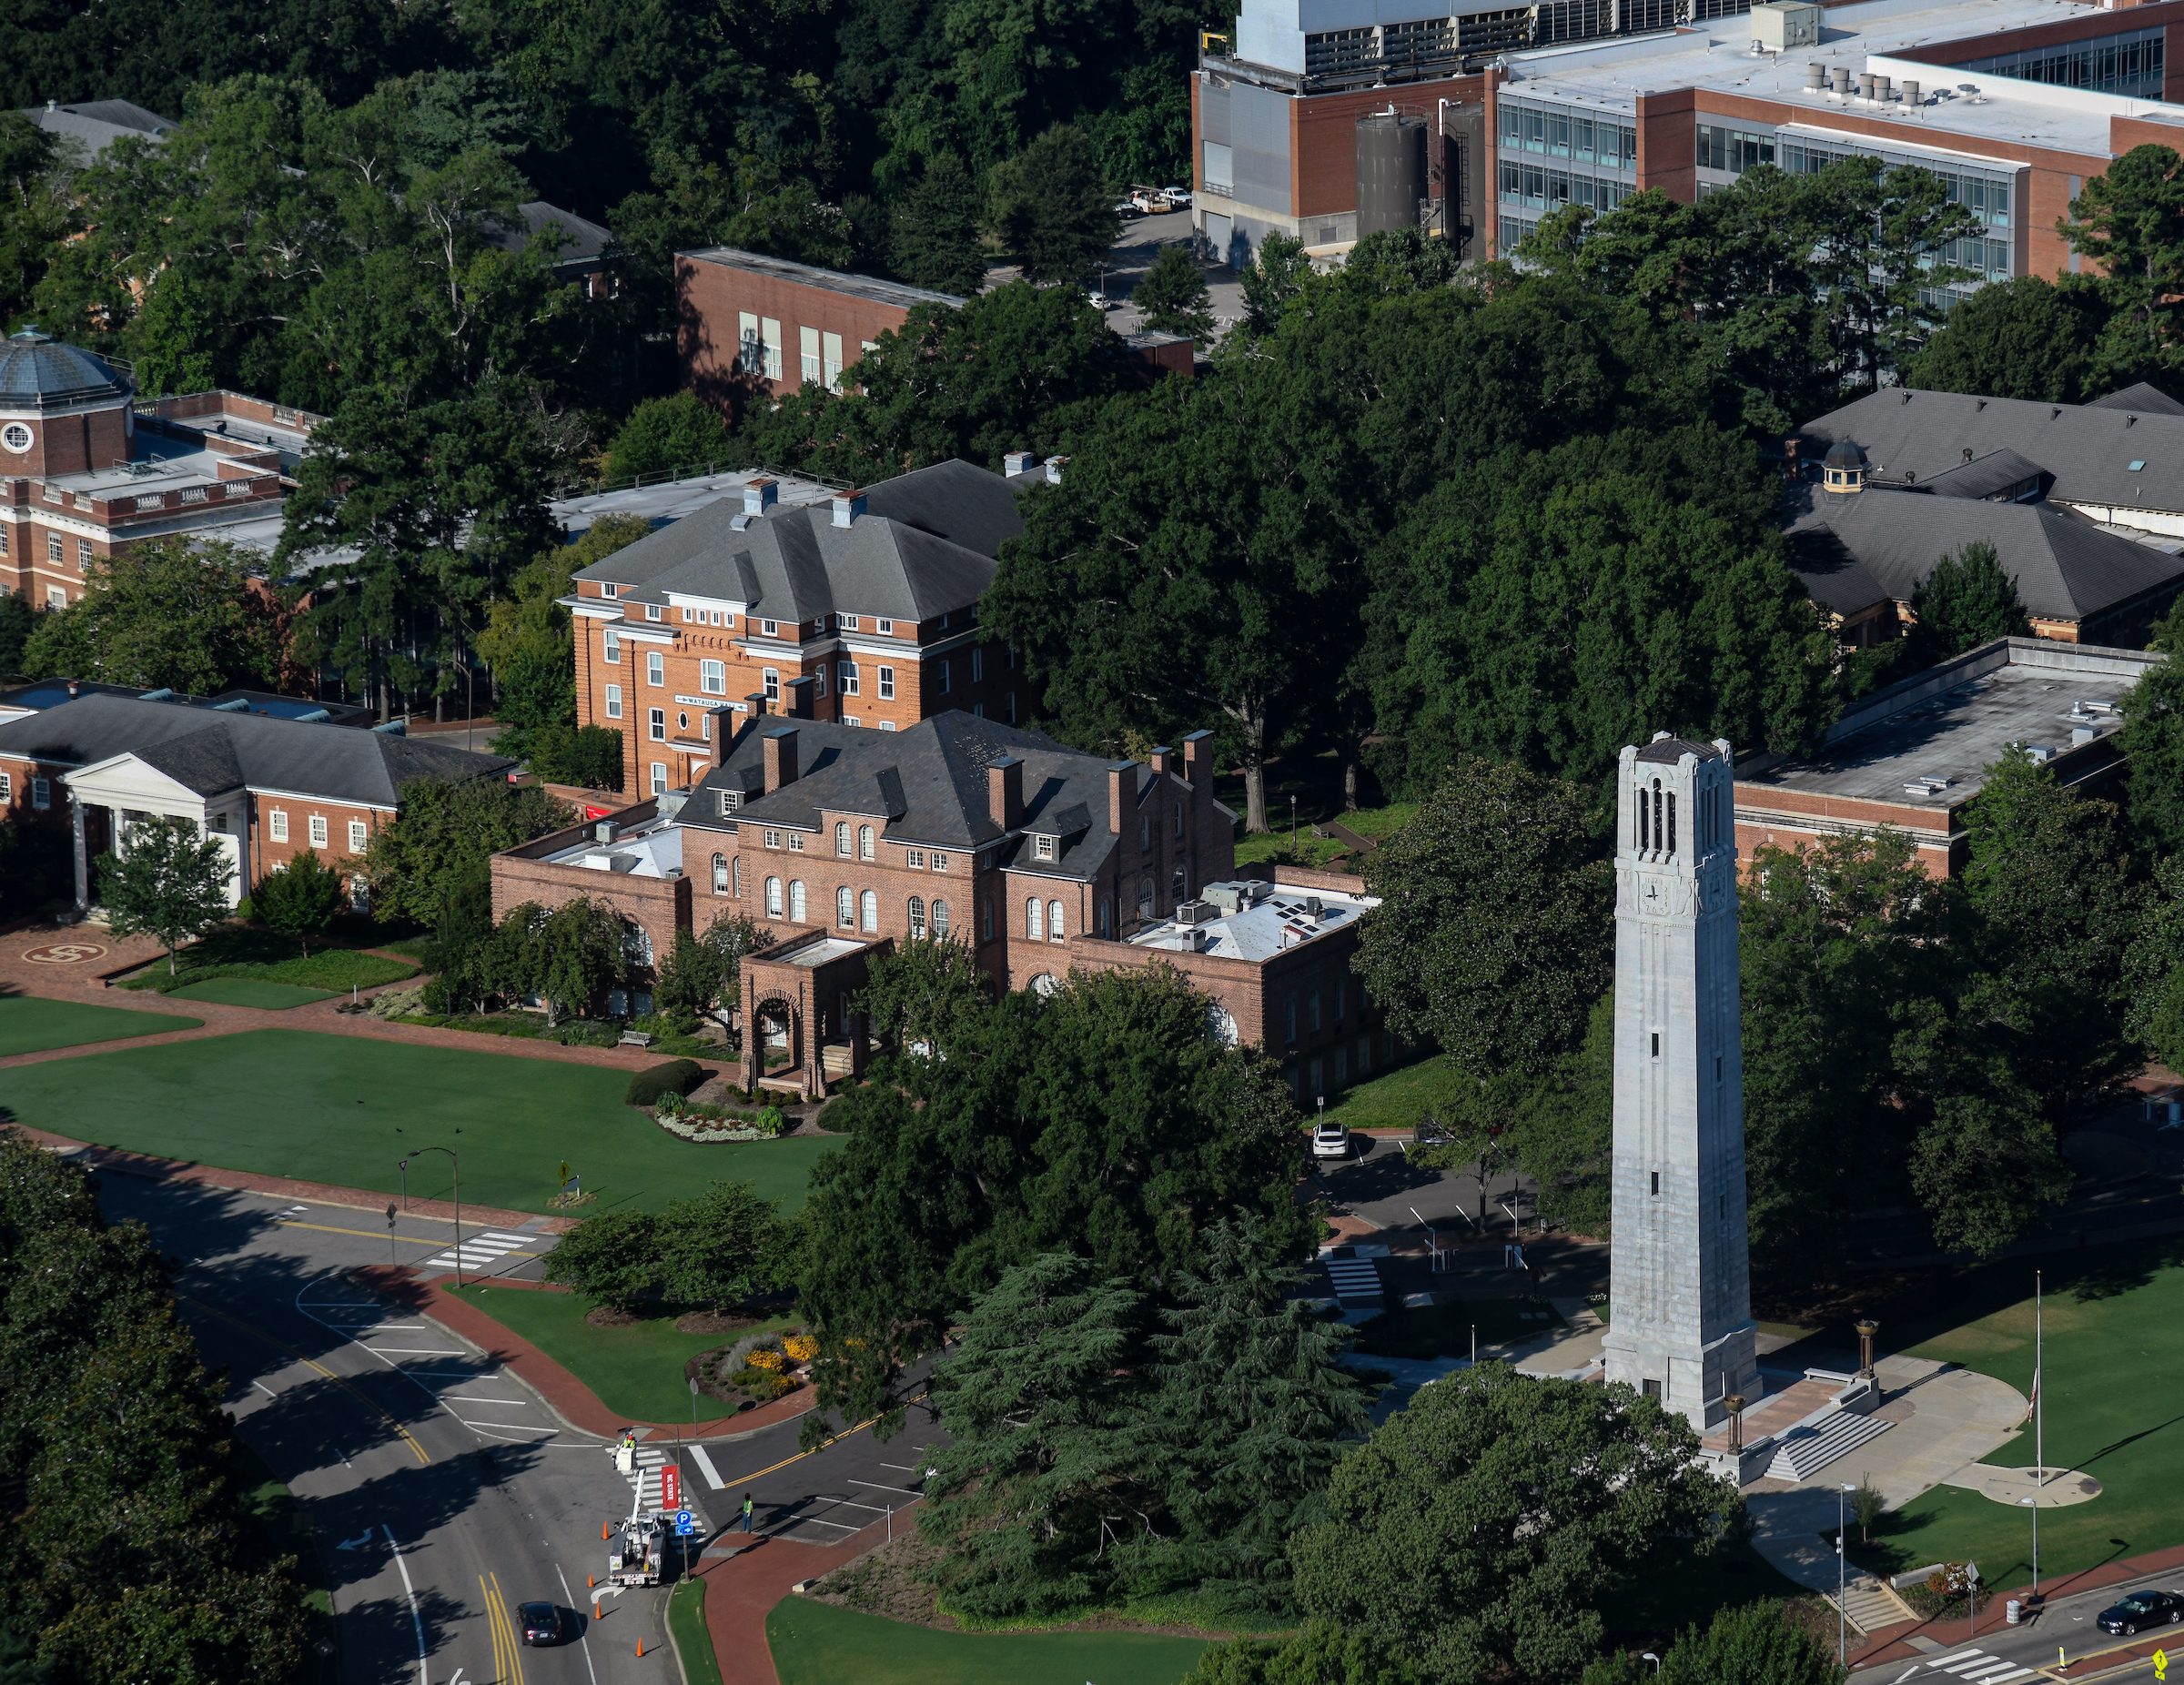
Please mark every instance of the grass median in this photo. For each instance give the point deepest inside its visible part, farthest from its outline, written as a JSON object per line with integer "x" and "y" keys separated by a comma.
{"x": 636, "y": 1369}
{"x": 31, "y": 1024}
{"x": 819, "y": 1644}
{"x": 343, "y": 1109}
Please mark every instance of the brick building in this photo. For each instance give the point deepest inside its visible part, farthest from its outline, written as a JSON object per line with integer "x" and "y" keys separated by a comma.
{"x": 862, "y": 610}
{"x": 83, "y": 475}
{"x": 749, "y": 323}
{"x": 268, "y": 787}
{"x": 632, "y": 862}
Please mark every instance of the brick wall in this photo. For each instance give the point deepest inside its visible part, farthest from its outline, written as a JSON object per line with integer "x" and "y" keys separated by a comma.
{"x": 710, "y": 297}
{"x": 1323, "y": 137}
{"x": 271, "y": 813}
{"x": 659, "y": 907}
{"x": 68, "y": 443}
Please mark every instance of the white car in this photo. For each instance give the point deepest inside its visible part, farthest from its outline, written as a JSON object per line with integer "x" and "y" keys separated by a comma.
{"x": 1178, "y": 197}
{"x": 1331, "y": 1140}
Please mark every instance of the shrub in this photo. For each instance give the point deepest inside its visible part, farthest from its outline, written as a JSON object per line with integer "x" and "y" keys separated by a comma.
{"x": 677, "y": 1076}
{"x": 767, "y": 1361}
{"x": 801, "y": 1348}
{"x": 770, "y": 1122}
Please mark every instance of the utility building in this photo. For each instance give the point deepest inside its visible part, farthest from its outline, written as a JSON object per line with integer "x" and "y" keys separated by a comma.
{"x": 1680, "y": 1281}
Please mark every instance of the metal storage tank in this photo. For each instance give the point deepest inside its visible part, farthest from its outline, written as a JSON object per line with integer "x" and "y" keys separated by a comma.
{"x": 1392, "y": 171}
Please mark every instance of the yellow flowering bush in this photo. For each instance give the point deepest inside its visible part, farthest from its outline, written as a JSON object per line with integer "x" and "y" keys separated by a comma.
{"x": 801, "y": 1348}
{"x": 766, "y": 1360}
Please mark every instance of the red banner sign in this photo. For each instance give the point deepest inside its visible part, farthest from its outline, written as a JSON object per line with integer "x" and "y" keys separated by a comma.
{"x": 670, "y": 1486}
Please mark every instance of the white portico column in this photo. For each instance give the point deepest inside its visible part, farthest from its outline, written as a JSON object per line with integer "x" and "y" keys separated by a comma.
{"x": 83, "y": 863}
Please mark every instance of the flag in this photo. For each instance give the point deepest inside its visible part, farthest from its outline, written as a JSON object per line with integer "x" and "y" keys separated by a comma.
{"x": 2033, "y": 1404}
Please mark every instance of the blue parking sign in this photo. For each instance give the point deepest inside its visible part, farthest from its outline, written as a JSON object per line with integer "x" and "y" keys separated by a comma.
{"x": 684, "y": 1526}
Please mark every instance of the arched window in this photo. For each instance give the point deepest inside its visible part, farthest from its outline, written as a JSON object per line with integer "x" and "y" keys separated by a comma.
{"x": 1657, "y": 815}
{"x": 1638, "y": 842}
{"x": 1054, "y": 921}
{"x": 1672, "y": 821}
{"x": 736, "y": 877}
{"x": 845, "y": 908}
{"x": 1144, "y": 898}
{"x": 842, "y": 838}
{"x": 796, "y": 903}
{"x": 917, "y": 918}
{"x": 864, "y": 842}
{"x": 1104, "y": 925}
{"x": 773, "y": 898}
{"x": 868, "y": 910}
{"x": 1035, "y": 920}
{"x": 719, "y": 875}
{"x": 940, "y": 918}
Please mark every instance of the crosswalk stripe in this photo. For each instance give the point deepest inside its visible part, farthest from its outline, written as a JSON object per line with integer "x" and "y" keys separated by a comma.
{"x": 706, "y": 1468}
{"x": 1962, "y": 1664}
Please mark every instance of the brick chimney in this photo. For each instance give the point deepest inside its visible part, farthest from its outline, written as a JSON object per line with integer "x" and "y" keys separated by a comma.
{"x": 1122, "y": 797}
{"x": 800, "y": 692}
{"x": 779, "y": 746}
{"x": 1005, "y": 792}
{"x": 1198, "y": 767}
{"x": 757, "y": 703}
{"x": 1163, "y": 760}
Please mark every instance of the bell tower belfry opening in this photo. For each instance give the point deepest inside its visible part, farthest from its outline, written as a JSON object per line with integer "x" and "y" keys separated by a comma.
{"x": 1680, "y": 1292}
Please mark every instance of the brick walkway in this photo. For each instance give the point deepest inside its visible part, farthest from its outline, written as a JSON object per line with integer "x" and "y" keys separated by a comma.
{"x": 741, "y": 1592}
{"x": 574, "y": 1401}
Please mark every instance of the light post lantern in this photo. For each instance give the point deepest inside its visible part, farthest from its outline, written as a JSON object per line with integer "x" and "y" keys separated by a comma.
{"x": 1867, "y": 1328}
{"x": 1735, "y": 1404}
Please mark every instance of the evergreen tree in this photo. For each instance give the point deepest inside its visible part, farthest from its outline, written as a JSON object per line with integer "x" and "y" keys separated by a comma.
{"x": 1966, "y": 601}
{"x": 727, "y": 1247}
{"x": 2131, "y": 220}
{"x": 168, "y": 882}
{"x": 2152, "y": 740}
{"x": 1054, "y": 208}
{"x": 1172, "y": 296}
{"x": 17, "y": 617}
{"x": 2029, "y": 336}
{"x": 933, "y": 235}
{"x": 300, "y": 899}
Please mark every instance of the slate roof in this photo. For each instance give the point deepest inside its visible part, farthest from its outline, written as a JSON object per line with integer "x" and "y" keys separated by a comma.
{"x": 1853, "y": 549}
{"x": 1670, "y": 750}
{"x": 37, "y": 371}
{"x": 97, "y": 124}
{"x": 1984, "y": 477}
{"x": 2086, "y": 449}
{"x": 2145, "y": 400}
{"x": 926, "y": 545}
{"x": 927, "y": 784}
{"x": 581, "y": 238}
{"x": 209, "y": 752}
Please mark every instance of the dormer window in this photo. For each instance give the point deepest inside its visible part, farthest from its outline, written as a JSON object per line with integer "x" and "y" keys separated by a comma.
{"x": 652, "y": 611}
{"x": 771, "y": 629}
{"x": 609, "y": 588}
{"x": 886, "y": 627}
{"x": 730, "y": 801}
{"x": 849, "y": 622}
{"x": 1043, "y": 847}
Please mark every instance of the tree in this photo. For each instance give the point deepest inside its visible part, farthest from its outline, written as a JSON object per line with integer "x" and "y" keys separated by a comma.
{"x": 1272, "y": 279}
{"x": 924, "y": 997}
{"x": 935, "y": 240}
{"x": 17, "y": 617}
{"x": 1868, "y": 1503}
{"x": 1494, "y": 933}
{"x": 2131, "y": 220}
{"x": 1750, "y": 1646}
{"x": 1319, "y": 1653}
{"x": 675, "y": 433}
{"x": 1037, "y": 1398}
{"x": 186, "y": 615}
{"x": 1477, "y": 1528}
{"x": 1054, "y": 208}
{"x": 701, "y": 972}
{"x": 727, "y": 1247}
{"x": 166, "y": 882}
{"x": 2029, "y": 336}
{"x": 2153, "y": 965}
{"x": 613, "y": 1257}
{"x": 2152, "y": 740}
{"x": 1247, "y": 1415}
{"x": 35, "y": 215}
{"x": 1183, "y": 573}
{"x": 300, "y": 899}
{"x": 1966, "y": 601}
{"x": 1172, "y": 296}
{"x": 589, "y": 757}
{"x": 530, "y": 644}
{"x": 437, "y": 852}
{"x": 571, "y": 955}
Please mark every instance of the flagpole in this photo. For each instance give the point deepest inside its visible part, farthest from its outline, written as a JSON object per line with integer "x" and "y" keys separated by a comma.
{"x": 2039, "y": 1409}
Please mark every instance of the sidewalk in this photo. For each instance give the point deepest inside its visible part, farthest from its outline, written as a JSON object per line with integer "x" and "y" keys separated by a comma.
{"x": 742, "y": 1591}
{"x": 570, "y": 1400}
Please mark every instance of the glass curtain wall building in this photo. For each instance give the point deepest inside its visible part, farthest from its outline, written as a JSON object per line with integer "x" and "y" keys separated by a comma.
{"x": 2129, "y": 64}
{"x": 1552, "y": 155}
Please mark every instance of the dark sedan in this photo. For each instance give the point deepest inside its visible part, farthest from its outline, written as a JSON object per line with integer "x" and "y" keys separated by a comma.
{"x": 2142, "y": 1609}
{"x": 542, "y": 1623}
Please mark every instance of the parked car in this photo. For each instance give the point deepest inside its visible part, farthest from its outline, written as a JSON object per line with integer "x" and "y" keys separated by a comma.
{"x": 1431, "y": 1132}
{"x": 542, "y": 1623}
{"x": 1129, "y": 208}
{"x": 1331, "y": 1140}
{"x": 1178, "y": 197}
{"x": 2142, "y": 1609}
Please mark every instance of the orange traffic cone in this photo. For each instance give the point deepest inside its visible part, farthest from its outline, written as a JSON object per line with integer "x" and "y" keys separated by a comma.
{"x": 641, "y": 1650}
{"x": 591, "y": 1582}
{"x": 603, "y": 1530}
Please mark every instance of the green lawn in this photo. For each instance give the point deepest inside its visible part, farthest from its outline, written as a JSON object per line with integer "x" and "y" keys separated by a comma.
{"x": 819, "y": 1644}
{"x": 236, "y": 951}
{"x": 343, "y": 1109}
{"x": 1392, "y": 1102}
{"x": 694, "y": 1643}
{"x": 2115, "y": 1346}
{"x": 250, "y": 991}
{"x": 637, "y": 1371}
{"x": 1279, "y": 847}
{"x": 31, "y": 1024}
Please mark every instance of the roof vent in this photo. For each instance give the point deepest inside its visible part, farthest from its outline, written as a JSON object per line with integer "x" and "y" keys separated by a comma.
{"x": 1054, "y": 465}
{"x": 1967, "y": 453}
{"x": 1979, "y": 406}
{"x": 848, "y": 506}
{"x": 164, "y": 694}
{"x": 2130, "y": 421}
{"x": 1018, "y": 462}
{"x": 2054, "y": 410}
{"x": 740, "y": 523}
{"x": 761, "y": 495}
{"x": 1904, "y": 397}
{"x": 1932, "y": 784}
{"x": 2041, "y": 753}
{"x": 316, "y": 714}
{"x": 2083, "y": 734}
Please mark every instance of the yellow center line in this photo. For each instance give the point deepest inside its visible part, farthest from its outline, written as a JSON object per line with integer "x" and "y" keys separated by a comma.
{"x": 511, "y": 1666}
{"x": 822, "y": 1446}
{"x": 260, "y": 1333}
{"x": 438, "y": 1246}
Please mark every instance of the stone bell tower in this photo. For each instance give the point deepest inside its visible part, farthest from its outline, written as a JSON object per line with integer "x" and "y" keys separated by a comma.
{"x": 1680, "y": 1294}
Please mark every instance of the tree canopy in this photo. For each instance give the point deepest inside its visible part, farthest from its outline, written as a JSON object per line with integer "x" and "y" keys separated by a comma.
{"x": 168, "y": 613}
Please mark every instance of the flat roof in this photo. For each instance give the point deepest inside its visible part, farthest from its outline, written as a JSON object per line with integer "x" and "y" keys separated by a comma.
{"x": 647, "y": 849}
{"x": 1259, "y": 932}
{"x": 1715, "y": 56}
{"x": 819, "y": 953}
{"x": 671, "y": 500}
{"x": 867, "y": 287}
{"x": 1950, "y": 724}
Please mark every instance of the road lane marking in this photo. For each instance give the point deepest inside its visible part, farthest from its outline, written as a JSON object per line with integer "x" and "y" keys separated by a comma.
{"x": 822, "y": 1446}
{"x": 504, "y": 1632}
{"x": 424, "y": 1675}
{"x": 706, "y": 1468}
{"x": 266, "y": 1389}
{"x": 516, "y": 1427}
{"x": 584, "y": 1641}
{"x": 474, "y": 1398}
{"x": 906, "y": 1491}
{"x": 414, "y": 1351}
{"x": 408, "y": 1440}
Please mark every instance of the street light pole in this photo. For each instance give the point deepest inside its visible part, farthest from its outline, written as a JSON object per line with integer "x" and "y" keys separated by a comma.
{"x": 1842, "y": 1581}
{"x": 457, "y": 1163}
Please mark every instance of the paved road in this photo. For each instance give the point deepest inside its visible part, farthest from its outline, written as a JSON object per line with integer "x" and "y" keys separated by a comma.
{"x": 444, "y": 1491}
{"x": 2000, "y": 1654}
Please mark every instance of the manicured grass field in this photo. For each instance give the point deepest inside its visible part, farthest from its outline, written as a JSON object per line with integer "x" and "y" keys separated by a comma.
{"x": 30, "y": 1024}
{"x": 1395, "y": 1101}
{"x": 819, "y": 1644}
{"x": 637, "y": 1371}
{"x": 694, "y": 1643}
{"x": 236, "y": 951}
{"x": 2115, "y": 1346}
{"x": 1307, "y": 850}
{"x": 343, "y": 1109}
{"x": 250, "y": 991}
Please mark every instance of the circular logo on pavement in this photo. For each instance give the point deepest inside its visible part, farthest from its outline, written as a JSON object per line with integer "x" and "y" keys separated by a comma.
{"x": 64, "y": 953}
